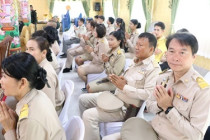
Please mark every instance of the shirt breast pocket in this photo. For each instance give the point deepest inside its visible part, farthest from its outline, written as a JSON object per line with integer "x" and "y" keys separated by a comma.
{"x": 139, "y": 81}
{"x": 183, "y": 107}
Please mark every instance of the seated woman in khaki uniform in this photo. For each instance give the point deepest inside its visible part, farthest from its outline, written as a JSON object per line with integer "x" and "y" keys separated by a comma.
{"x": 39, "y": 48}
{"x": 35, "y": 117}
{"x": 90, "y": 41}
{"x": 132, "y": 38}
{"x": 101, "y": 47}
{"x": 79, "y": 50}
{"x": 110, "y": 28}
{"x": 120, "y": 25}
{"x": 114, "y": 64}
{"x": 50, "y": 40}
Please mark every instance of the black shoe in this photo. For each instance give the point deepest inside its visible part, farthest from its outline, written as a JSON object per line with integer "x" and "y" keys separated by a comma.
{"x": 63, "y": 56}
{"x": 70, "y": 67}
{"x": 66, "y": 70}
{"x": 84, "y": 89}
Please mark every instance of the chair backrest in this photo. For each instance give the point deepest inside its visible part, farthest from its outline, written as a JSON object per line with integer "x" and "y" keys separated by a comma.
{"x": 68, "y": 89}
{"x": 207, "y": 77}
{"x": 4, "y": 49}
{"x": 146, "y": 116}
{"x": 31, "y": 29}
{"x": 75, "y": 129}
{"x": 23, "y": 31}
{"x": 141, "y": 111}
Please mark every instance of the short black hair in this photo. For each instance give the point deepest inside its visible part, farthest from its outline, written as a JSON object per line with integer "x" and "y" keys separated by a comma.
{"x": 93, "y": 24}
{"x": 96, "y": 16}
{"x": 161, "y": 25}
{"x": 82, "y": 20}
{"x": 182, "y": 30}
{"x": 89, "y": 19}
{"x": 186, "y": 39}
{"x": 135, "y": 22}
{"x": 111, "y": 20}
{"x": 24, "y": 65}
{"x": 101, "y": 17}
{"x": 151, "y": 38}
{"x": 101, "y": 30}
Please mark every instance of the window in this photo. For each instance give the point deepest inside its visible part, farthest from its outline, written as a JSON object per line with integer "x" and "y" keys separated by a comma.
{"x": 194, "y": 16}
{"x": 76, "y": 8}
{"x": 108, "y": 10}
{"x": 138, "y": 13}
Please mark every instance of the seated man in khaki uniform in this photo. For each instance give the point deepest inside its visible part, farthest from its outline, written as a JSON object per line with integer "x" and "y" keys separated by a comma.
{"x": 134, "y": 86}
{"x": 181, "y": 100}
{"x": 79, "y": 31}
{"x": 84, "y": 40}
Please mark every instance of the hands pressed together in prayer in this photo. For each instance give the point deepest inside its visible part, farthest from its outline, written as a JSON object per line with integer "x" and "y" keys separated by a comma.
{"x": 8, "y": 117}
{"x": 105, "y": 58}
{"x": 85, "y": 37}
{"x": 164, "y": 98}
{"x": 89, "y": 49}
{"x": 118, "y": 81}
{"x": 127, "y": 36}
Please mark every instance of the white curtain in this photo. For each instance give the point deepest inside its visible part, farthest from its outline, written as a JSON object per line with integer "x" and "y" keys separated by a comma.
{"x": 108, "y": 12}
{"x": 194, "y": 16}
{"x": 76, "y": 8}
{"x": 138, "y": 13}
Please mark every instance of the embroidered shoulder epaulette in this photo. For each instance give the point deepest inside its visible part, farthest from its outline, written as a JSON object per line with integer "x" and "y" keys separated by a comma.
{"x": 102, "y": 40}
{"x": 155, "y": 64}
{"x": 24, "y": 112}
{"x": 201, "y": 82}
{"x": 119, "y": 52}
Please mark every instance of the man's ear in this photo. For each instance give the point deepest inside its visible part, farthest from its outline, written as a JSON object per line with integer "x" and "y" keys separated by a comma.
{"x": 152, "y": 49}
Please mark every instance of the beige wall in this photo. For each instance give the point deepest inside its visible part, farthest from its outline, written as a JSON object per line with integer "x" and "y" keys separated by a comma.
{"x": 123, "y": 12}
{"x": 41, "y": 7}
{"x": 92, "y": 12}
{"x": 162, "y": 12}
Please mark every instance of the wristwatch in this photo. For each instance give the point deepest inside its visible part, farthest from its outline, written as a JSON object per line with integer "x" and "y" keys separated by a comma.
{"x": 168, "y": 109}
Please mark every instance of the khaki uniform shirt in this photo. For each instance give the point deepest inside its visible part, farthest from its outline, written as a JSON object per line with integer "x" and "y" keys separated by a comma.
{"x": 100, "y": 48}
{"x": 91, "y": 41}
{"x": 82, "y": 41}
{"x": 53, "y": 92}
{"x": 141, "y": 80}
{"x": 116, "y": 62}
{"x": 131, "y": 43}
{"x": 81, "y": 30}
{"x": 37, "y": 119}
{"x": 54, "y": 62}
{"x": 109, "y": 29}
{"x": 190, "y": 117}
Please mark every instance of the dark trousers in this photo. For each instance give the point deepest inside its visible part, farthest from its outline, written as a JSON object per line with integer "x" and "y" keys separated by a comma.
{"x": 67, "y": 43}
{"x": 207, "y": 135}
{"x": 132, "y": 111}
